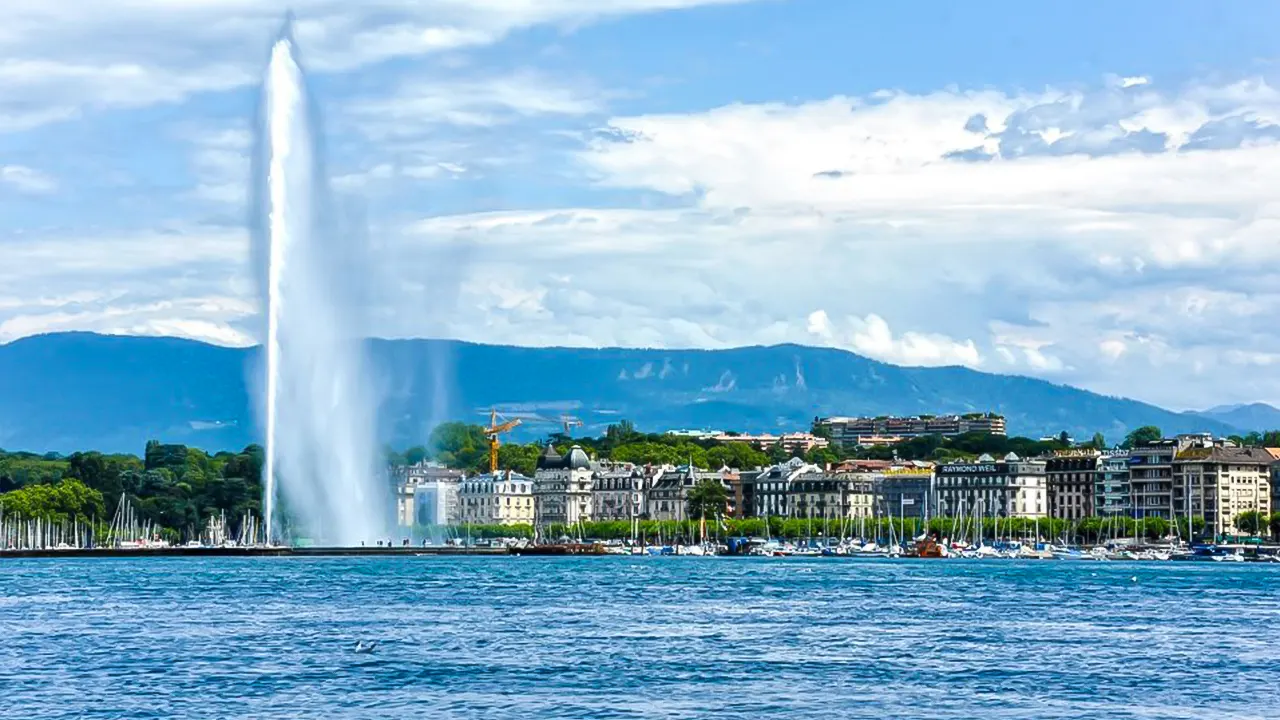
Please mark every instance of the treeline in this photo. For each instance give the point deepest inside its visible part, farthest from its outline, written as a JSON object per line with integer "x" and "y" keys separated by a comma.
{"x": 466, "y": 447}
{"x": 173, "y": 487}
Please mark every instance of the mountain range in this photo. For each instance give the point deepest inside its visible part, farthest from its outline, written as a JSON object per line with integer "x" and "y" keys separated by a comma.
{"x": 72, "y": 391}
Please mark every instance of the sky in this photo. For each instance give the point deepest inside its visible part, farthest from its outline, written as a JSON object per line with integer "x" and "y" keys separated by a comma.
{"x": 1085, "y": 192}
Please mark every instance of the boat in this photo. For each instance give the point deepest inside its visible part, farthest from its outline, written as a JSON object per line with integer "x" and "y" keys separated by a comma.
{"x": 559, "y": 549}
{"x": 930, "y": 548}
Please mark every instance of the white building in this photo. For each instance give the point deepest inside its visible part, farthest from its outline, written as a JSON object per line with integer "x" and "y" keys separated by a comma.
{"x": 435, "y": 502}
{"x": 562, "y": 487}
{"x": 504, "y": 498}
{"x": 1012, "y": 487}
{"x": 439, "y": 480}
{"x": 619, "y": 492}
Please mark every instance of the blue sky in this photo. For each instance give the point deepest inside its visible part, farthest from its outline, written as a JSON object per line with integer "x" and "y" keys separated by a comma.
{"x": 1080, "y": 192}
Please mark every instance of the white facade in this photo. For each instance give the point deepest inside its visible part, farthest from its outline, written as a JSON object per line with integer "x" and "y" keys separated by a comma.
{"x": 502, "y": 499}
{"x": 619, "y": 492}
{"x": 1010, "y": 488}
{"x": 424, "y": 474}
{"x": 562, "y": 487}
{"x": 436, "y": 502}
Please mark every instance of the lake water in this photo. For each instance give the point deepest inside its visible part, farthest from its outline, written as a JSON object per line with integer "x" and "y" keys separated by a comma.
{"x": 620, "y": 637}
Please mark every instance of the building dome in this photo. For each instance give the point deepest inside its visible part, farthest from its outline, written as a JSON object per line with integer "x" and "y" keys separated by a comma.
{"x": 577, "y": 459}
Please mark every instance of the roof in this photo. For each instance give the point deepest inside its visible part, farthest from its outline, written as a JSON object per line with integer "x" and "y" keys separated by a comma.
{"x": 577, "y": 459}
{"x": 1238, "y": 455}
{"x": 550, "y": 459}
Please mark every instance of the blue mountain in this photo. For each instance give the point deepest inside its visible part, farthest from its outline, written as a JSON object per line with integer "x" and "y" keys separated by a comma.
{"x": 1252, "y": 416}
{"x": 72, "y": 391}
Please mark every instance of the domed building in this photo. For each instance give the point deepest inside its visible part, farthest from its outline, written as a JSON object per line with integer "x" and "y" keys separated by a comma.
{"x": 562, "y": 487}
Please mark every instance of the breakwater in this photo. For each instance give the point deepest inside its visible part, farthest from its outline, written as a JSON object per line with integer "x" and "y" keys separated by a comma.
{"x": 251, "y": 552}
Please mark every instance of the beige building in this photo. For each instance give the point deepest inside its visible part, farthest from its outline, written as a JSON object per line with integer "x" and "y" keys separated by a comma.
{"x": 1218, "y": 483}
{"x": 562, "y": 487}
{"x": 504, "y": 498}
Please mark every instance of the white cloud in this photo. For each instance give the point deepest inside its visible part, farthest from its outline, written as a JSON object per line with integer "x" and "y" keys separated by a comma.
{"x": 873, "y": 338}
{"x": 420, "y": 105}
{"x": 27, "y": 180}
{"x": 1062, "y": 242}
{"x": 66, "y": 57}
{"x": 819, "y": 324}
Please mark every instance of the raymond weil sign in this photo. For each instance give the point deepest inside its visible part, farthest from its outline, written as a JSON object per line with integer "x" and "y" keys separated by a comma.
{"x": 985, "y": 468}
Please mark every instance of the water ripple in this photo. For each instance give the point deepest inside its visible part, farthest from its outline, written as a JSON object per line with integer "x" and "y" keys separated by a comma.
{"x": 621, "y": 638}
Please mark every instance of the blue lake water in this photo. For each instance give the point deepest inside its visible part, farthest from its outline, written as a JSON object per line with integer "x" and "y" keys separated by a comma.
{"x": 620, "y": 637}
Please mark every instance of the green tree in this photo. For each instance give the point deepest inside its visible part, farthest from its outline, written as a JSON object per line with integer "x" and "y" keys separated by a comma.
{"x": 821, "y": 456}
{"x": 737, "y": 455}
{"x": 1274, "y": 522}
{"x": 415, "y": 455}
{"x": 1143, "y": 435}
{"x": 778, "y": 454}
{"x": 707, "y": 499}
{"x": 1250, "y": 522}
{"x": 65, "y": 501}
{"x": 1099, "y": 442}
{"x": 459, "y": 445}
{"x": 520, "y": 458}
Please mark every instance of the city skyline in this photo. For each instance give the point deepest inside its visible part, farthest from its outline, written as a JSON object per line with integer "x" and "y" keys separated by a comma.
{"x": 1027, "y": 191}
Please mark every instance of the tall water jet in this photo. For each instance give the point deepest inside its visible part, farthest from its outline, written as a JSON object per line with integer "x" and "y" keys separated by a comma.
{"x": 319, "y": 418}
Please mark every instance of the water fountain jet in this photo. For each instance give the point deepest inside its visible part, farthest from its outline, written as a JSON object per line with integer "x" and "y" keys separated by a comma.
{"x": 319, "y": 410}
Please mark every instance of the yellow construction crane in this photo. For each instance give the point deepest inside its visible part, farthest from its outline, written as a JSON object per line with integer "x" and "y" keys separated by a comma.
{"x": 493, "y": 431}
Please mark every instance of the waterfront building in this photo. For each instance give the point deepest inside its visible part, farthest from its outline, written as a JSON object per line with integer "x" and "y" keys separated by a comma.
{"x": 502, "y": 498}
{"x": 1111, "y": 485}
{"x": 815, "y": 494}
{"x": 1012, "y": 487}
{"x": 435, "y": 502}
{"x": 855, "y": 431}
{"x": 771, "y": 487}
{"x": 1071, "y": 478}
{"x": 619, "y": 491}
{"x": 733, "y": 481}
{"x": 904, "y": 491}
{"x": 437, "y": 479}
{"x": 562, "y": 487}
{"x": 1217, "y": 483}
{"x": 669, "y": 495}
{"x": 1151, "y": 473}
